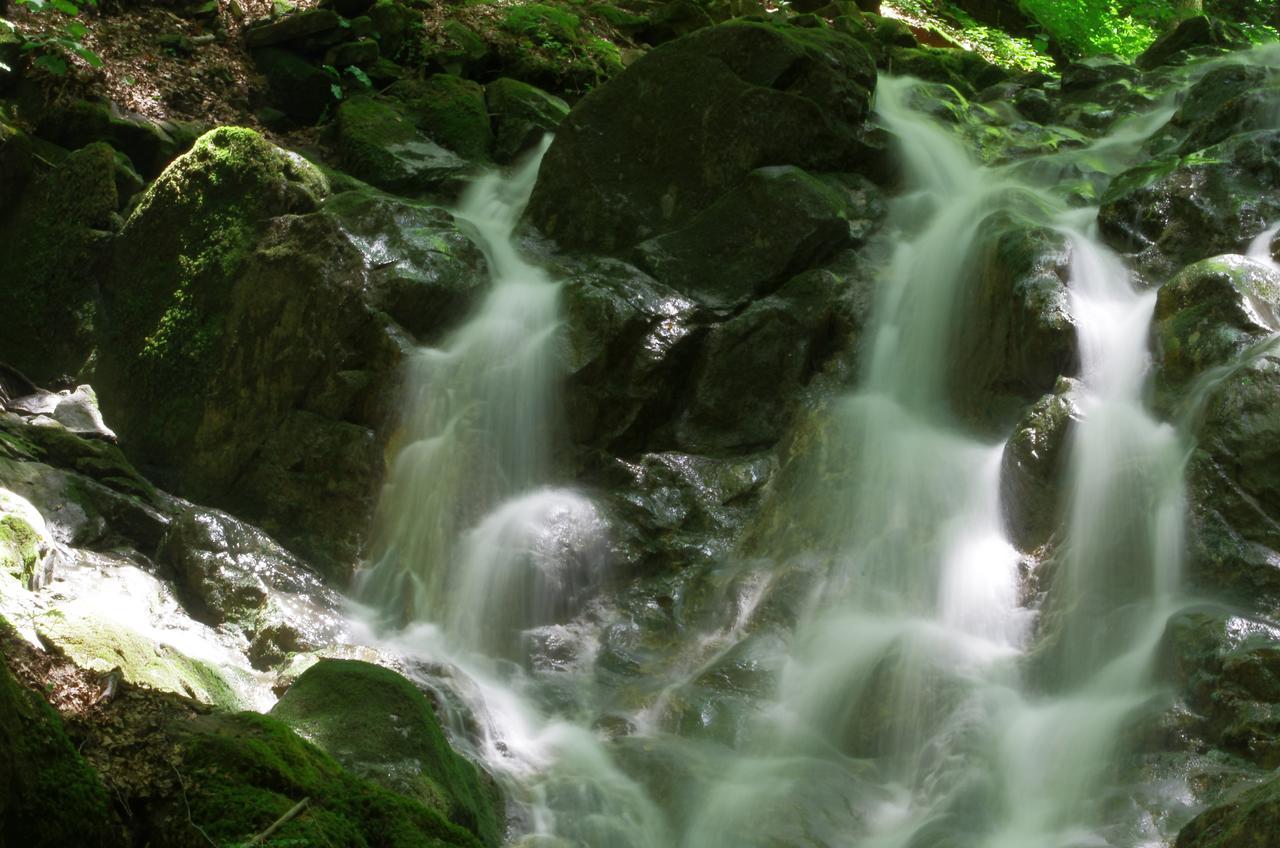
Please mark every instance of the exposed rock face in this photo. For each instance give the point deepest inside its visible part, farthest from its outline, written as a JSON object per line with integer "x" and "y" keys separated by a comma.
{"x": 379, "y": 726}
{"x": 1210, "y": 312}
{"x": 379, "y": 143}
{"x": 1173, "y": 211}
{"x": 625, "y": 166}
{"x": 1249, "y": 819}
{"x": 1034, "y": 465}
{"x": 1018, "y": 334}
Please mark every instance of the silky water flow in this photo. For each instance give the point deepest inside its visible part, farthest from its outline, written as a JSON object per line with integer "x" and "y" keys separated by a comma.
{"x": 924, "y": 696}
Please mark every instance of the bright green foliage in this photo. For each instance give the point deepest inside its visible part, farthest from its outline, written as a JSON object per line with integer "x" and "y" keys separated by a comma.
{"x": 1090, "y": 27}
{"x": 55, "y": 47}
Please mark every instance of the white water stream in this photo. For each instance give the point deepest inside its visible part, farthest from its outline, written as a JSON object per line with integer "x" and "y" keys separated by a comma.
{"x": 922, "y": 701}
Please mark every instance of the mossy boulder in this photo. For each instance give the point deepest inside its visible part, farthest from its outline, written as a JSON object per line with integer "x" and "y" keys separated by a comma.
{"x": 49, "y": 296}
{"x": 242, "y": 772}
{"x": 450, "y": 110}
{"x": 1210, "y": 312}
{"x": 299, "y": 88}
{"x": 521, "y": 114}
{"x": 380, "y": 144}
{"x": 97, "y": 643}
{"x": 15, "y": 164}
{"x": 377, "y": 724}
{"x": 48, "y": 794}
{"x": 645, "y": 153}
{"x": 1248, "y": 819}
{"x": 150, "y": 146}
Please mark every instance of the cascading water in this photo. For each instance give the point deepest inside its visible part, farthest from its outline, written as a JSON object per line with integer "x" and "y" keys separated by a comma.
{"x": 921, "y": 700}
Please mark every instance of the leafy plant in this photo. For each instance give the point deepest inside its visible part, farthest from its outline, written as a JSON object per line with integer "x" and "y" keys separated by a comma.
{"x": 54, "y": 47}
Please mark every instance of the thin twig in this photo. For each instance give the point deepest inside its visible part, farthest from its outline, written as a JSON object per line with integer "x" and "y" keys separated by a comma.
{"x": 182, "y": 784}
{"x": 262, "y": 837}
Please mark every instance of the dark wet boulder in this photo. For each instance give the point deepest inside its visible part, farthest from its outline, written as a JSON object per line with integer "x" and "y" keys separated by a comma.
{"x": 228, "y": 572}
{"x": 1250, "y": 818}
{"x": 379, "y": 726}
{"x": 627, "y": 166}
{"x": 379, "y": 142}
{"x": 48, "y": 794}
{"x": 1034, "y": 465}
{"x": 748, "y": 379}
{"x": 628, "y": 341}
{"x": 149, "y": 145}
{"x": 964, "y": 70}
{"x": 521, "y": 115}
{"x": 1019, "y": 335}
{"x": 1211, "y": 312}
{"x": 1218, "y": 105}
{"x": 1225, "y": 667}
{"x": 1173, "y": 211}
{"x": 774, "y": 224}
{"x": 48, "y": 297}
{"x": 421, "y": 270}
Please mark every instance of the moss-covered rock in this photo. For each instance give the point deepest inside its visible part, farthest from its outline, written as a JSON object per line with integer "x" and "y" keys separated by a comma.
{"x": 521, "y": 114}
{"x": 1249, "y": 819}
{"x": 48, "y": 794}
{"x": 15, "y": 164}
{"x": 24, "y": 539}
{"x": 299, "y": 88}
{"x": 377, "y": 724}
{"x": 74, "y": 124}
{"x": 243, "y": 772}
{"x": 100, "y": 644}
{"x": 449, "y": 110}
{"x": 1210, "y": 312}
{"x": 766, "y": 95}
{"x": 380, "y": 144}
{"x": 1034, "y": 465}
{"x": 49, "y": 273}
{"x": 168, "y": 289}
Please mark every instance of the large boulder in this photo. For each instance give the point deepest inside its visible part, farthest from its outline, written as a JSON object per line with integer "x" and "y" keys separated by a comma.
{"x": 777, "y": 222}
{"x": 1173, "y": 211}
{"x": 1018, "y": 335}
{"x": 1248, "y": 819}
{"x": 450, "y": 110}
{"x": 379, "y": 142}
{"x": 521, "y": 114}
{"x": 239, "y": 359}
{"x": 1220, "y": 104}
{"x": 1210, "y": 312}
{"x": 301, "y": 90}
{"x": 378, "y": 725}
{"x": 646, "y": 152}
{"x": 228, "y": 572}
{"x": 241, "y": 773}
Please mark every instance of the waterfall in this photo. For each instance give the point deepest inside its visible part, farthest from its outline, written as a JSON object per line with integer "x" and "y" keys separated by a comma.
{"x": 924, "y": 698}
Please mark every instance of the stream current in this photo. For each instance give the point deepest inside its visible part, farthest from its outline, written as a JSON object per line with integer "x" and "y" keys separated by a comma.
{"x": 930, "y": 687}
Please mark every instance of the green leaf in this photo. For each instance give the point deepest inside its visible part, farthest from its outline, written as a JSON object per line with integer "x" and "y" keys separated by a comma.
{"x": 344, "y": 23}
{"x": 360, "y": 76}
{"x": 55, "y": 65}
{"x": 337, "y": 91}
{"x": 77, "y": 30}
{"x": 9, "y": 25}
{"x": 5, "y": 68}
{"x": 88, "y": 55}
{"x": 66, "y": 7}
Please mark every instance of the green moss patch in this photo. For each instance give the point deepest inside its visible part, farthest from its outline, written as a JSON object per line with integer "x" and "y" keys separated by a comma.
{"x": 245, "y": 771}
{"x": 379, "y": 725}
